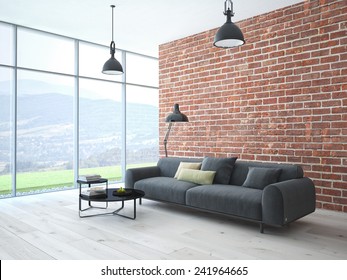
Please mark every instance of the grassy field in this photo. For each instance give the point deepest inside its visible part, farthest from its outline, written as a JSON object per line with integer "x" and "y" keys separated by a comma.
{"x": 46, "y": 180}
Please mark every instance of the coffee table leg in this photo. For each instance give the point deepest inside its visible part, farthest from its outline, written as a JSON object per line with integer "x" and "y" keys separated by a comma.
{"x": 124, "y": 216}
{"x": 110, "y": 213}
{"x": 90, "y": 207}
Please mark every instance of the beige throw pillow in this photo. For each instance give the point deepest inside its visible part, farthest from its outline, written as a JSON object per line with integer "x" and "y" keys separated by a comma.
{"x": 187, "y": 165}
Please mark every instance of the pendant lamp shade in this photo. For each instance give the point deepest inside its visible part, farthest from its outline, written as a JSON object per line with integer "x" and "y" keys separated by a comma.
{"x": 229, "y": 35}
{"x": 112, "y": 66}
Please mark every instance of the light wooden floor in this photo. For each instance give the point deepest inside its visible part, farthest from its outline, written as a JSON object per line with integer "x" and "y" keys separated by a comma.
{"x": 47, "y": 226}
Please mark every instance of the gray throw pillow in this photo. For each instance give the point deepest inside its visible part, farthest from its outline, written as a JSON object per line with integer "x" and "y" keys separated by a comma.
{"x": 260, "y": 177}
{"x": 222, "y": 166}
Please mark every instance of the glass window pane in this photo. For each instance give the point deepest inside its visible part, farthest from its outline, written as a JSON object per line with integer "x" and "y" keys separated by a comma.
{"x": 142, "y": 70}
{"x": 142, "y": 126}
{"x": 44, "y": 132}
{"x": 100, "y": 129}
{"x": 44, "y": 51}
{"x": 92, "y": 58}
{"x": 6, "y": 91}
{"x": 6, "y": 44}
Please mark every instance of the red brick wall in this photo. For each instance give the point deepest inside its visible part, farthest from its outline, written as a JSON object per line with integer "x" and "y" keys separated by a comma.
{"x": 281, "y": 97}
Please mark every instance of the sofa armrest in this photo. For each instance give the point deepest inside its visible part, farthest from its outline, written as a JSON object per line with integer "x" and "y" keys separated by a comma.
{"x": 286, "y": 201}
{"x": 135, "y": 174}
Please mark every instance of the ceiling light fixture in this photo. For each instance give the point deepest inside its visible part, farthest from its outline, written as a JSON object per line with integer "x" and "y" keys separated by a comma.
{"x": 112, "y": 66}
{"x": 229, "y": 35}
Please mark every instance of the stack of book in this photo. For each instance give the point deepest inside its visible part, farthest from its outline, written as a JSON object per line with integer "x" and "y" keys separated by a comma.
{"x": 89, "y": 178}
{"x": 95, "y": 192}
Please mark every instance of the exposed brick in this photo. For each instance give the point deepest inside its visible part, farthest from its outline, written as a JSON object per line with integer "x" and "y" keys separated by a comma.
{"x": 324, "y": 198}
{"x": 281, "y": 97}
{"x": 331, "y": 206}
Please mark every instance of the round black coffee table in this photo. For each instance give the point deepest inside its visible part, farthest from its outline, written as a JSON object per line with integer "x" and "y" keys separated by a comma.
{"x": 111, "y": 195}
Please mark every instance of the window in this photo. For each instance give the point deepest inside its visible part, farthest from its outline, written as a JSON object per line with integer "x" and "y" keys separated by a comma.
{"x": 44, "y": 131}
{"x": 6, "y": 91}
{"x": 6, "y": 44}
{"x": 142, "y": 70}
{"x": 38, "y": 50}
{"x": 100, "y": 128}
{"x": 55, "y": 105}
{"x": 142, "y": 126}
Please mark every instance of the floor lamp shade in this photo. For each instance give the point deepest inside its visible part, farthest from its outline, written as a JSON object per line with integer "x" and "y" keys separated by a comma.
{"x": 175, "y": 116}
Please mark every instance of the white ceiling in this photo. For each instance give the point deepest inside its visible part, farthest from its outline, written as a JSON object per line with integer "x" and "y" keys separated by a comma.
{"x": 140, "y": 26}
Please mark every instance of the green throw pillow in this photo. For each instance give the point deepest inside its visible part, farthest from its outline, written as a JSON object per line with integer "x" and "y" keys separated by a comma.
{"x": 187, "y": 165}
{"x": 197, "y": 176}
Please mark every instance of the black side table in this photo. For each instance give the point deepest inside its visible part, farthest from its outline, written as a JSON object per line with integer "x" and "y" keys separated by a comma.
{"x": 90, "y": 183}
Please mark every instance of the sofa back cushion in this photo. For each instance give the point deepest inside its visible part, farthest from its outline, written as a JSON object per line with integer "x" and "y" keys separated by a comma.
{"x": 240, "y": 171}
{"x": 168, "y": 165}
{"x": 222, "y": 166}
{"x": 260, "y": 177}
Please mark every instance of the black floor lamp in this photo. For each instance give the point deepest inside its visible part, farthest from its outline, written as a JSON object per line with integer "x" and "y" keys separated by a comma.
{"x": 175, "y": 116}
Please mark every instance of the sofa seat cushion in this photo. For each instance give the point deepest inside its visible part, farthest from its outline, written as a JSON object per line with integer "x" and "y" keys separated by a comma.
{"x": 229, "y": 199}
{"x": 165, "y": 189}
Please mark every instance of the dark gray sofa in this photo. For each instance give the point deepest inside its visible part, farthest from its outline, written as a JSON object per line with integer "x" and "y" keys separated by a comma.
{"x": 291, "y": 197}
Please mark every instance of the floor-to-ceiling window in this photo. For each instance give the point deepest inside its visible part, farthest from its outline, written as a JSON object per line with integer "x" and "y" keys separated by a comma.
{"x": 6, "y": 81}
{"x": 44, "y": 131}
{"x": 59, "y": 113}
{"x": 6, "y": 99}
{"x": 45, "y": 91}
{"x": 142, "y": 110}
{"x": 100, "y": 114}
{"x": 100, "y": 129}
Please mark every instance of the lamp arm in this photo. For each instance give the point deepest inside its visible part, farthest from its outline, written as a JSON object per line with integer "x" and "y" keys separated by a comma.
{"x": 166, "y": 137}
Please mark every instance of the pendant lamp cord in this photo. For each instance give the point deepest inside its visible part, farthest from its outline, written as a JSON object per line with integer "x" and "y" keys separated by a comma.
{"x": 112, "y": 6}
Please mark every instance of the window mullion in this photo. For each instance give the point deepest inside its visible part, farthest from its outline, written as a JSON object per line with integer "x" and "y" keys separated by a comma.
{"x": 14, "y": 118}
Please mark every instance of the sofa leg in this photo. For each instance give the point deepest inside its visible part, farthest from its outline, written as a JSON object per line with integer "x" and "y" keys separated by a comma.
{"x": 261, "y": 228}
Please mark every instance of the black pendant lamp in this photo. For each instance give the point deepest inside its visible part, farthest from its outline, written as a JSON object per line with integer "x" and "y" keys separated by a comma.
{"x": 229, "y": 35}
{"x": 112, "y": 66}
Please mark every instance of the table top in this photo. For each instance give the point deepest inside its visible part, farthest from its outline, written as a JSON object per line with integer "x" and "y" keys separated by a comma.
{"x": 98, "y": 181}
{"x": 112, "y": 196}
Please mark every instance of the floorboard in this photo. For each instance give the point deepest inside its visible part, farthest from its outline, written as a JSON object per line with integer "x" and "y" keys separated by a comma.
{"x": 47, "y": 226}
